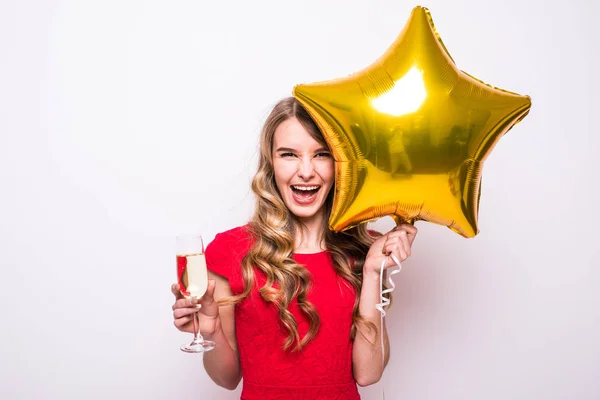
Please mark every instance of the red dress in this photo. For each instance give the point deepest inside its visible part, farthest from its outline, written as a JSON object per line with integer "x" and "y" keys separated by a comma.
{"x": 323, "y": 369}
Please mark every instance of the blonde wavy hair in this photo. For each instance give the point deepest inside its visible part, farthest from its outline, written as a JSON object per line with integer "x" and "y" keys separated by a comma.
{"x": 273, "y": 228}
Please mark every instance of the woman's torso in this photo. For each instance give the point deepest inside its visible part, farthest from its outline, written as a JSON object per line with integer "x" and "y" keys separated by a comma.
{"x": 323, "y": 369}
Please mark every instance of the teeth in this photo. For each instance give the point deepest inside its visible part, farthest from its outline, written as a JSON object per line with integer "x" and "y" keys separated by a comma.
{"x": 306, "y": 188}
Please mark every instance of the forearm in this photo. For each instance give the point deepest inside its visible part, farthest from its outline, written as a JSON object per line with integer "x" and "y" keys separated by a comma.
{"x": 366, "y": 350}
{"x": 222, "y": 363}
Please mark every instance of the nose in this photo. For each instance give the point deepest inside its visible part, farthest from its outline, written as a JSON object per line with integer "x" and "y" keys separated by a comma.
{"x": 306, "y": 169}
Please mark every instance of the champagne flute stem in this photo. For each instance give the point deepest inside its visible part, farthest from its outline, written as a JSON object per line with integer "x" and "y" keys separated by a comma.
{"x": 197, "y": 336}
{"x": 196, "y": 322}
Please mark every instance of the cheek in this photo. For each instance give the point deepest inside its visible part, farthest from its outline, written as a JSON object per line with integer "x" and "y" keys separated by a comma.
{"x": 328, "y": 172}
{"x": 282, "y": 173}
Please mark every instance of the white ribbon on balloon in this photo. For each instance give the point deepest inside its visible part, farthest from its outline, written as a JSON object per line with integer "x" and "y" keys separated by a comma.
{"x": 384, "y": 300}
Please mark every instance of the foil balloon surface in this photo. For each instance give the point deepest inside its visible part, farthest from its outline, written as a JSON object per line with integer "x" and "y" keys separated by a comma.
{"x": 409, "y": 133}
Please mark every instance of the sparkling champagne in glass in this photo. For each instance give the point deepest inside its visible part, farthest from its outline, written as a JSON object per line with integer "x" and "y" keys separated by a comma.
{"x": 192, "y": 278}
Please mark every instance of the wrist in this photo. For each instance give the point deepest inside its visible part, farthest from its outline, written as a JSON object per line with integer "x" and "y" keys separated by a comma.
{"x": 370, "y": 275}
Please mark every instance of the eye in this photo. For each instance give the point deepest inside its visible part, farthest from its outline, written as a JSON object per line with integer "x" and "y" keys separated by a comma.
{"x": 287, "y": 155}
{"x": 323, "y": 154}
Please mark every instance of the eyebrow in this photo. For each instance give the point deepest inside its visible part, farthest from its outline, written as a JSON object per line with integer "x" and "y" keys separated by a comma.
{"x": 288, "y": 149}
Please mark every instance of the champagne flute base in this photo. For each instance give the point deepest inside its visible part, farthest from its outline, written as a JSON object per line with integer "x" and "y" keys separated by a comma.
{"x": 200, "y": 347}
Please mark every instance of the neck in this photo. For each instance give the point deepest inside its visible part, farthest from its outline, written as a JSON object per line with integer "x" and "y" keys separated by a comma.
{"x": 309, "y": 235}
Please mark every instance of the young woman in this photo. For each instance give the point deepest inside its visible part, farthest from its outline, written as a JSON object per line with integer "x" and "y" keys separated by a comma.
{"x": 291, "y": 304}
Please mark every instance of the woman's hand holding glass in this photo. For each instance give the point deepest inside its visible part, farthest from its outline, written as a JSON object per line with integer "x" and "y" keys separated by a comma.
{"x": 185, "y": 308}
{"x": 193, "y": 293}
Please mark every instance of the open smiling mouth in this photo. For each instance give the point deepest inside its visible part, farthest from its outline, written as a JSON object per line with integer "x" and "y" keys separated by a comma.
{"x": 305, "y": 194}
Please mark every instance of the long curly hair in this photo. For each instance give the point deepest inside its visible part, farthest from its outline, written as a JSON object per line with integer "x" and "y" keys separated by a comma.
{"x": 273, "y": 228}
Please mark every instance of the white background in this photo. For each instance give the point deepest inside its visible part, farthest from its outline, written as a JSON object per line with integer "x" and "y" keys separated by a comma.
{"x": 124, "y": 123}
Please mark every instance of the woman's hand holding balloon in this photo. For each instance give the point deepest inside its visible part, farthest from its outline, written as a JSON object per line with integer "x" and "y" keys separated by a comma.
{"x": 397, "y": 242}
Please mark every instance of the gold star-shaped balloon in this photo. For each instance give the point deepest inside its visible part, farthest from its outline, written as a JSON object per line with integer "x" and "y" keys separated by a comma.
{"x": 409, "y": 134}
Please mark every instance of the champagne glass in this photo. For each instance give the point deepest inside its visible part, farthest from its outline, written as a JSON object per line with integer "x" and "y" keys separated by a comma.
{"x": 192, "y": 278}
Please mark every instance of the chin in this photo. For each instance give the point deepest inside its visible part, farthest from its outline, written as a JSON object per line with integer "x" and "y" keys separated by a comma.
{"x": 304, "y": 212}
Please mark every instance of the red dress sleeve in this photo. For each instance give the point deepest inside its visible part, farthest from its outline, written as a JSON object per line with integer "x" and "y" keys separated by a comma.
{"x": 224, "y": 256}
{"x": 217, "y": 257}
